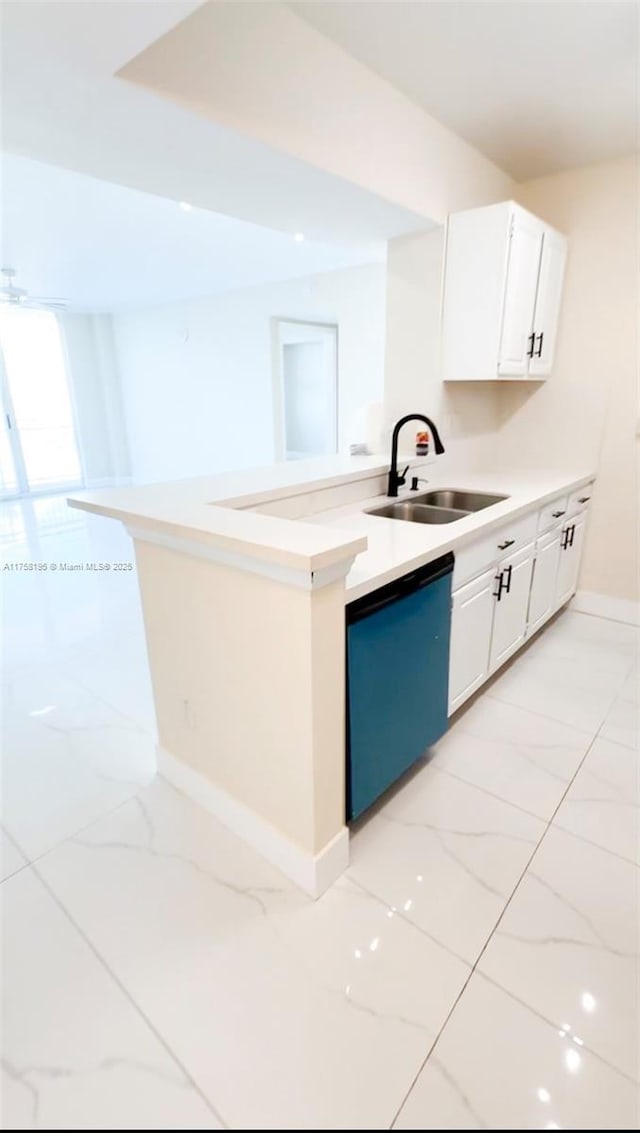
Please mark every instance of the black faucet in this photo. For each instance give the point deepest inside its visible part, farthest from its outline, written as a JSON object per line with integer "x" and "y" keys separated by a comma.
{"x": 395, "y": 479}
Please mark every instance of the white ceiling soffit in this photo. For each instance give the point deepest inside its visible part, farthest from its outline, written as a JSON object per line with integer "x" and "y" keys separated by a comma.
{"x": 536, "y": 85}
{"x": 106, "y": 247}
{"x": 62, "y": 104}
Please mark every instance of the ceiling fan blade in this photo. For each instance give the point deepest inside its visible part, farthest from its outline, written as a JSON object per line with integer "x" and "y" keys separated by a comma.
{"x": 13, "y": 293}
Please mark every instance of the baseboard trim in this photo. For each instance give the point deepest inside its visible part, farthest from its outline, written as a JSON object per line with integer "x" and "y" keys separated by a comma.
{"x": 602, "y": 606}
{"x": 313, "y": 873}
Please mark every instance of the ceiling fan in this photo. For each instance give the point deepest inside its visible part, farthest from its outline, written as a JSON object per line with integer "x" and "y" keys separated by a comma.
{"x": 19, "y": 297}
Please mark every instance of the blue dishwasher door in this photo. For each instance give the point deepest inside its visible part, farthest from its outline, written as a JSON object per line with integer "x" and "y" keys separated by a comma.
{"x": 397, "y": 679}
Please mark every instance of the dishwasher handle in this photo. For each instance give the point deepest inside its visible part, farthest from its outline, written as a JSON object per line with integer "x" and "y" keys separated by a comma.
{"x": 399, "y": 588}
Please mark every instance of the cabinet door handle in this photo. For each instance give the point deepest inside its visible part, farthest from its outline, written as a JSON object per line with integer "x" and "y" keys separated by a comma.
{"x": 564, "y": 542}
{"x": 539, "y": 350}
{"x": 532, "y": 341}
{"x": 584, "y": 499}
{"x": 507, "y": 543}
{"x": 508, "y": 570}
{"x": 572, "y": 531}
{"x": 557, "y": 514}
{"x": 498, "y": 593}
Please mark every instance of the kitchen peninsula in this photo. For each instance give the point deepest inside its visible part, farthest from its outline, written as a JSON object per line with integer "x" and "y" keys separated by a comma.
{"x": 244, "y": 578}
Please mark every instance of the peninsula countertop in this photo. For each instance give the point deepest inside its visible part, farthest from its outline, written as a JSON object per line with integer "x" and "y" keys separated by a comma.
{"x": 217, "y": 511}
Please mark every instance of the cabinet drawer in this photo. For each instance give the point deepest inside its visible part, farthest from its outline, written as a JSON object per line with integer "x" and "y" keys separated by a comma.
{"x": 489, "y": 549}
{"x": 553, "y": 513}
{"x": 579, "y": 500}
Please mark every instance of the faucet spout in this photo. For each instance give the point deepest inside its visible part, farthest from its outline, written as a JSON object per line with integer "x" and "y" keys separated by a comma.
{"x": 395, "y": 479}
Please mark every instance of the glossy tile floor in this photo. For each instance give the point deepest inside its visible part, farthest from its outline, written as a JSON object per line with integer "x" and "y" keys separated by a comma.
{"x": 476, "y": 968}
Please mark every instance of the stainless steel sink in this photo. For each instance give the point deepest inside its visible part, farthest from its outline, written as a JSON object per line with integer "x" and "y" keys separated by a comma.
{"x": 415, "y": 512}
{"x": 461, "y": 501}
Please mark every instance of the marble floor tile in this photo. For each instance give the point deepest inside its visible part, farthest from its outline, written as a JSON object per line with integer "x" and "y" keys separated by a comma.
{"x": 574, "y": 691}
{"x": 603, "y": 803}
{"x": 446, "y": 855}
{"x": 567, "y": 946}
{"x": 622, "y": 723}
{"x": 76, "y": 1052}
{"x": 520, "y": 756}
{"x": 122, "y": 680}
{"x": 11, "y": 860}
{"x": 67, "y": 758}
{"x": 497, "y": 1065}
{"x": 605, "y": 644}
{"x": 286, "y": 1012}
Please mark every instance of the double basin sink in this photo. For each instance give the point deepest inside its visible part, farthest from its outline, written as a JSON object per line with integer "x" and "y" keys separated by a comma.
{"x": 442, "y": 506}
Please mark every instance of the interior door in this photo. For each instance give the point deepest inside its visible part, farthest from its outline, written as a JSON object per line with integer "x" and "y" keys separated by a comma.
{"x": 513, "y": 583}
{"x": 305, "y": 389}
{"x": 520, "y": 296}
{"x": 547, "y": 311}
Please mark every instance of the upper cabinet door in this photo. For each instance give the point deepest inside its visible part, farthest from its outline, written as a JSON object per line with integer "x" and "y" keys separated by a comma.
{"x": 547, "y": 310}
{"x": 500, "y": 296}
{"x": 523, "y": 263}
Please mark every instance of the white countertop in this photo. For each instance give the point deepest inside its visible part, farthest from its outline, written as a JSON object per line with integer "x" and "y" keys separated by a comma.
{"x": 203, "y": 509}
{"x": 206, "y": 510}
{"x": 395, "y": 547}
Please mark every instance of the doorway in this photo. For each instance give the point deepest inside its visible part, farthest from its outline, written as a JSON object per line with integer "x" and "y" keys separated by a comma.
{"x": 38, "y": 445}
{"x": 305, "y": 389}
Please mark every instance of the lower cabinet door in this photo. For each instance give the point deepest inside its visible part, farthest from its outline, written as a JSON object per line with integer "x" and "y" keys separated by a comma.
{"x": 513, "y": 583}
{"x": 569, "y": 562}
{"x": 542, "y": 602}
{"x": 471, "y": 617}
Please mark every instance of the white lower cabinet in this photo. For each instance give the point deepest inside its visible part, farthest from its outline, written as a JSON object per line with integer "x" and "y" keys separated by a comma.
{"x": 571, "y": 539}
{"x": 542, "y": 601}
{"x": 512, "y": 585}
{"x": 471, "y": 619}
{"x": 493, "y": 614}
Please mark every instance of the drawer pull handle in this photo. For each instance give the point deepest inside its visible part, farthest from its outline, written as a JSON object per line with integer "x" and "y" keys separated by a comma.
{"x": 507, "y": 543}
{"x": 584, "y": 499}
{"x": 557, "y": 514}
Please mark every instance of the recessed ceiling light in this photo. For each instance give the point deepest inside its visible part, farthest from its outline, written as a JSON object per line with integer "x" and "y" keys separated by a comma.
{"x": 185, "y": 206}
{"x": 299, "y": 237}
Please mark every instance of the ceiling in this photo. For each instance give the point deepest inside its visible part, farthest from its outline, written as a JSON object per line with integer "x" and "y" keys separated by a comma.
{"x": 63, "y": 104}
{"x": 536, "y": 86}
{"x": 106, "y": 247}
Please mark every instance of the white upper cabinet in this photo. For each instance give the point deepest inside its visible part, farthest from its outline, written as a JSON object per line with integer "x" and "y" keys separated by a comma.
{"x": 523, "y": 262}
{"x": 502, "y": 288}
{"x": 547, "y": 309}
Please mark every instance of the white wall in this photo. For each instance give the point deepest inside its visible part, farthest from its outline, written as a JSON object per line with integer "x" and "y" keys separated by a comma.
{"x": 97, "y": 403}
{"x": 588, "y": 411}
{"x": 270, "y": 75}
{"x": 196, "y": 376}
{"x": 466, "y": 414}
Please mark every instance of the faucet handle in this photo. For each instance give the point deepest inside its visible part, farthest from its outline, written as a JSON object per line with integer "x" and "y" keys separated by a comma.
{"x": 403, "y": 476}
